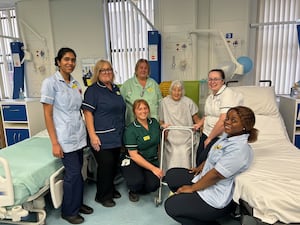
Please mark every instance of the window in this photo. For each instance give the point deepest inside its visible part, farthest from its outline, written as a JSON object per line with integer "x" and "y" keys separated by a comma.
{"x": 278, "y": 53}
{"x": 8, "y": 33}
{"x": 127, "y": 26}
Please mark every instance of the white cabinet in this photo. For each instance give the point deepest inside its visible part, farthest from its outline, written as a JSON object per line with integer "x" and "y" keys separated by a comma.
{"x": 289, "y": 109}
{"x": 21, "y": 119}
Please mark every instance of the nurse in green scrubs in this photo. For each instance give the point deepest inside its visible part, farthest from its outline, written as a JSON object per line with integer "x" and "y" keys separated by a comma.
{"x": 141, "y": 138}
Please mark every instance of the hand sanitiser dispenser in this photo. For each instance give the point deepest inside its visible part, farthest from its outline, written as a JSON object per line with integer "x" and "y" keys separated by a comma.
{"x": 21, "y": 94}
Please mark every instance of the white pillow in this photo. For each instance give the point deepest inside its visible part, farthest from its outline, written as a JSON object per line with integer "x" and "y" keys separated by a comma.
{"x": 270, "y": 128}
{"x": 262, "y": 100}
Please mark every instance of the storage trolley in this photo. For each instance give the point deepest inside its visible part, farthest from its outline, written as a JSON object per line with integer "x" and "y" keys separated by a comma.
{"x": 158, "y": 199}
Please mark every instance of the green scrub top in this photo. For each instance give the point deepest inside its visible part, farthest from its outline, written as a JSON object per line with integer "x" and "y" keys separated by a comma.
{"x": 132, "y": 90}
{"x": 136, "y": 137}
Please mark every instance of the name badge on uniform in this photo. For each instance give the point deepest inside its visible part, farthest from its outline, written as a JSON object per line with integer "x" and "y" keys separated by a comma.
{"x": 74, "y": 86}
{"x": 146, "y": 138}
{"x": 150, "y": 89}
{"x": 217, "y": 147}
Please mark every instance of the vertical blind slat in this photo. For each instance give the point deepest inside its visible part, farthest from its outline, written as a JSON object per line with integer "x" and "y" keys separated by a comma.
{"x": 8, "y": 27}
{"x": 129, "y": 35}
{"x": 277, "y": 45}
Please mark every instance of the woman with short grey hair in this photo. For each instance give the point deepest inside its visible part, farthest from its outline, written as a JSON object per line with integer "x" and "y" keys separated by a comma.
{"x": 178, "y": 110}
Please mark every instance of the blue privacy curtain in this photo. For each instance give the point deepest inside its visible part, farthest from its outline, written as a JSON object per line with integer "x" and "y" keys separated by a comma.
{"x": 18, "y": 76}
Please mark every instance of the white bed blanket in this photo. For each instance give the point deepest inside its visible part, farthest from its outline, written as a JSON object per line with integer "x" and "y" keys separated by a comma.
{"x": 271, "y": 186}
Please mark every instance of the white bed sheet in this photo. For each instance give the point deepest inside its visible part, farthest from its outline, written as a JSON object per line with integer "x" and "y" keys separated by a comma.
{"x": 271, "y": 186}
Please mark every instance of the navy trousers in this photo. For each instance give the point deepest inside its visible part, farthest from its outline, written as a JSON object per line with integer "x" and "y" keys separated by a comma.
{"x": 203, "y": 152}
{"x": 190, "y": 208}
{"x": 73, "y": 183}
{"x": 139, "y": 179}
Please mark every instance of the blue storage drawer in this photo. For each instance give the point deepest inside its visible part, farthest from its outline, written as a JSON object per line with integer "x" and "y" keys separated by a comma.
{"x": 297, "y": 141}
{"x": 14, "y": 135}
{"x": 298, "y": 110}
{"x": 14, "y": 113}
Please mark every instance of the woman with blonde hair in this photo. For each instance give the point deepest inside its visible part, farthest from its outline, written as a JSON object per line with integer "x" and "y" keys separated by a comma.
{"x": 104, "y": 111}
{"x": 141, "y": 86}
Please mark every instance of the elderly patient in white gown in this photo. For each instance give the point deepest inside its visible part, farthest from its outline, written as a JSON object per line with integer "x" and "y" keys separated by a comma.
{"x": 176, "y": 109}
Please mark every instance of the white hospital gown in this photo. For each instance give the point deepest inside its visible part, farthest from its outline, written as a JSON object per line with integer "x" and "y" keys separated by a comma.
{"x": 178, "y": 146}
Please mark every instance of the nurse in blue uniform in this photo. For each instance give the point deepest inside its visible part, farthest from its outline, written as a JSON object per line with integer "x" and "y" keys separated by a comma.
{"x": 204, "y": 194}
{"x": 104, "y": 111}
{"x": 61, "y": 97}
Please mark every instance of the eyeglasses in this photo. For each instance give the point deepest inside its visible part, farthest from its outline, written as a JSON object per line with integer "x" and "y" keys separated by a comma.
{"x": 143, "y": 92}
{"x": 106, "y": 71}
{"x": 214, "y": 79}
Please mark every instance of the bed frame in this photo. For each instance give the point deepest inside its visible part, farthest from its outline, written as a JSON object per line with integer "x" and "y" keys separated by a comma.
{"x": 30, "y": 211}
{"x": 15, "y": 214}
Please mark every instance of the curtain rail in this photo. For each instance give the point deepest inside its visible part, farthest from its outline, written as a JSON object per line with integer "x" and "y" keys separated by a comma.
{"x": 255, "y": 25}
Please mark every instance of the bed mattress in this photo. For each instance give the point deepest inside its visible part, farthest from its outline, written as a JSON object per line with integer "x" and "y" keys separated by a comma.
{"x": 271, "y": 186}
{"x": 31, "y": 163}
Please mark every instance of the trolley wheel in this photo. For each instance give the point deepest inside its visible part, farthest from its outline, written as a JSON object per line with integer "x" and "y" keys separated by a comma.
{"x": 157, "y": 201}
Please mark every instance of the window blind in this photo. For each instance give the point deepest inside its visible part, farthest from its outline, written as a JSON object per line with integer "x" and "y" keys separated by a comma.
{"x": 8, "y": 33}
{"x": 277, "y": 52}
{"x": 127, "y": 26}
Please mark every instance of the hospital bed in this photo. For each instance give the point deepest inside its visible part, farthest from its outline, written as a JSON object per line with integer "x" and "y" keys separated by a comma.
{"x": 269, "y": 191}
{"x": 28, "y": 171}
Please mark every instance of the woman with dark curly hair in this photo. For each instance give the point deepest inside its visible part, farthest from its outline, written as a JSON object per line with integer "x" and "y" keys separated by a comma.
{"x": 204, "y": 194}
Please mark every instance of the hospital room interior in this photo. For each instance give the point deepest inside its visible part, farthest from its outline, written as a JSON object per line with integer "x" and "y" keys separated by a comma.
{"x": 255, "y": 42}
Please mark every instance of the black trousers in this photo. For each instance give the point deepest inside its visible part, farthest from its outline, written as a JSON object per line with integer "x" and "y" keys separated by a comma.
{"x": 108, "y": 162}
{"x": 190, "y": 208}
{"x": 202, "y": 152}
{"x": 139, "y": 179}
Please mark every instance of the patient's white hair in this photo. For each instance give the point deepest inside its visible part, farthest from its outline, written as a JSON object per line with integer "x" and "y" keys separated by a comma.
{"x": 179, "y": 84}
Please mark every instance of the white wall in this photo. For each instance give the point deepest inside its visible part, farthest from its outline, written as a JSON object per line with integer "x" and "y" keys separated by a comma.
{"x": 80, "y": 25}
{"x": 205, "y": 50}
{"x": 35, "y": 24}
{"x": 63, "y": 23}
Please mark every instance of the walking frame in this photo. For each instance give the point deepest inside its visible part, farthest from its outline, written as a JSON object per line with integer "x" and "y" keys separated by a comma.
{"x": 158, "y": 199}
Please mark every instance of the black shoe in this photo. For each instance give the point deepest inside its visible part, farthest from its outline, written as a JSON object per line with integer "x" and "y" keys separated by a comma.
{"x": 116, "y": 194}
{"x": 106, "y": 203}
{"x": 84, "y": 209}
{"x": 133, "y": 197}
{"x": 73, "y": 219}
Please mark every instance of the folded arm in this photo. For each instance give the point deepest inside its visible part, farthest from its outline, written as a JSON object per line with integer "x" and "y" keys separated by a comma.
{"x": 209, "y": 179}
